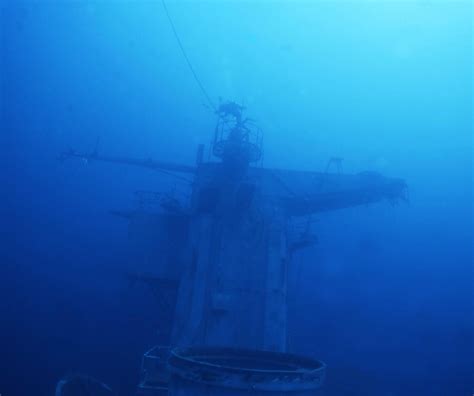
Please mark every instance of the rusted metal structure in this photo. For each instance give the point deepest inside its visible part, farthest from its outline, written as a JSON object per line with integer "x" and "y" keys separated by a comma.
{"x": 225, "y": 254}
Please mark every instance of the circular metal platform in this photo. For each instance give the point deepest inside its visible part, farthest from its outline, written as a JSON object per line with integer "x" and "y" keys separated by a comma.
{"x": 245, "y": 370}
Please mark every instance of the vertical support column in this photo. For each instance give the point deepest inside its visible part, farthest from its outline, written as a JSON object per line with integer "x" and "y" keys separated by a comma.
{"x": 190, "y": 314}
{"x": 275, "y": 332}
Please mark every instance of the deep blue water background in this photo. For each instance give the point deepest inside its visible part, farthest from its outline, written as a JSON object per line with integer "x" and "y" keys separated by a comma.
{"x": 385, "y": 299}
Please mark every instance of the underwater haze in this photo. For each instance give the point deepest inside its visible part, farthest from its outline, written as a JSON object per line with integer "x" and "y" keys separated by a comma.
{"x": 386, "y": 297}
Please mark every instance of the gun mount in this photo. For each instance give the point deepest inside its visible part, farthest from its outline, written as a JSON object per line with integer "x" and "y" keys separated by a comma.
{"x": 226, "y": 253}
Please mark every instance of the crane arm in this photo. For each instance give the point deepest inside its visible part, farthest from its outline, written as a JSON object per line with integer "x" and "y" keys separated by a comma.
{"x": 143, "y": 163}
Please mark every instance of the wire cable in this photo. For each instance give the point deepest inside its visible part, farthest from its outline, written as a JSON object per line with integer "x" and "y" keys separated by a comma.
{"x": 191, "y": 68}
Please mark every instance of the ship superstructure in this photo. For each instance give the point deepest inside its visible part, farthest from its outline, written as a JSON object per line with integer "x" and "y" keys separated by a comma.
{"x": 222, "y": 262}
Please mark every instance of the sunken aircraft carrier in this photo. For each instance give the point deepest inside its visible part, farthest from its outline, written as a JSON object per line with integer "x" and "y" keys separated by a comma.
{"x": 221, "y": 260}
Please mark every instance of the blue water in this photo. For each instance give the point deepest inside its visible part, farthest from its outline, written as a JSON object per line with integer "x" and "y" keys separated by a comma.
{"x": 385, "y": 299}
